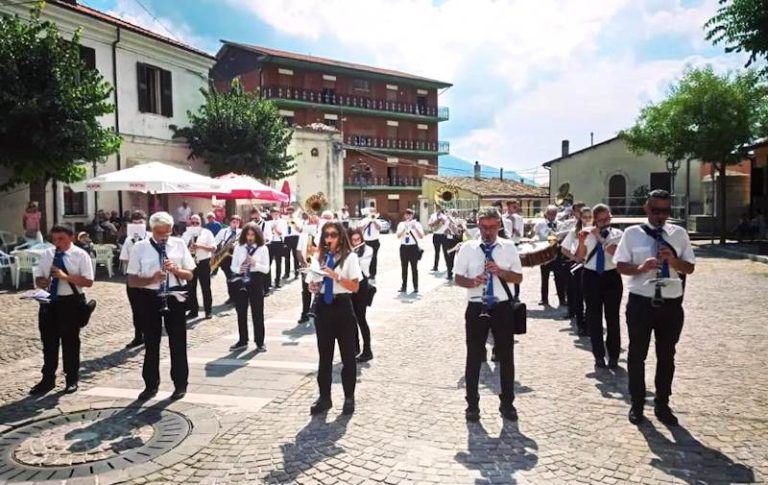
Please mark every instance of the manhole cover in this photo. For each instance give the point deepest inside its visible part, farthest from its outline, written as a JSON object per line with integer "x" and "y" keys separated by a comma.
{"x": 89, "y": 442}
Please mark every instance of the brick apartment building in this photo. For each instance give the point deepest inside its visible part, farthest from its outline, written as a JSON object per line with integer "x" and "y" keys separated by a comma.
{"x": 388, "y": 119}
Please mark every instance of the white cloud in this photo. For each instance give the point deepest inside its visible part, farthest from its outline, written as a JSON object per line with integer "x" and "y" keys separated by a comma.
{"x": 526, "y": 73}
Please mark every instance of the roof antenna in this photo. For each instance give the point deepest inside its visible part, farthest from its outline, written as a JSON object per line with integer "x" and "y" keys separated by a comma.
{"x": 591, "y": 138}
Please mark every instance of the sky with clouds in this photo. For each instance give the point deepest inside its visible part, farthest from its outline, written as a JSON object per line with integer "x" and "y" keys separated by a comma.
{"x": 526, "y": 73}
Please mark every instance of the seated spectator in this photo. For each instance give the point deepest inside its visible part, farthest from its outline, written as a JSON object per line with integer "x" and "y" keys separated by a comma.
{"x": 84, "y": 242}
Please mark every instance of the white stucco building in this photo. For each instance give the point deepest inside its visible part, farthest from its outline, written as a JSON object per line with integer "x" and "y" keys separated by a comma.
{"x": 156, "y": 81}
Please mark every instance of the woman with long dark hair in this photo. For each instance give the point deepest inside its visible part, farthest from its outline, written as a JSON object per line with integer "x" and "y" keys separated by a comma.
{"x": 575, "y": 288}
{"x": 250, "y": 264}
{"x": 360, "y": 299}
{"x": 335, "y": 275}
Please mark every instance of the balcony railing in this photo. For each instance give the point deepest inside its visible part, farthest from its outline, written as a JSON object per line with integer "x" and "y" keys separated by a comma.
{"x": 400, "y": 181}
{"x": 362, "y": 102}
{"x": 398, "y": 144}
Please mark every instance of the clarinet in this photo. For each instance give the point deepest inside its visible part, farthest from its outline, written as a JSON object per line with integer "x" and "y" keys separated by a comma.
{"x": 164, "y": 310}
{"x": 486, "y": 307}
{"x": 247, "y": 273}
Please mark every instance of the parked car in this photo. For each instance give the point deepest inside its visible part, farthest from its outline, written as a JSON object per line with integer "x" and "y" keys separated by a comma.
{"x": 386, "y": 224}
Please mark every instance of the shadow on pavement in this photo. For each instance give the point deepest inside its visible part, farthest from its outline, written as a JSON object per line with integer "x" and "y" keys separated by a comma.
{"x": 498, "y": 459}
{"x": 314, "y": 443}
{"x": 612, "y": 384}
{"x": 687, "y": 459}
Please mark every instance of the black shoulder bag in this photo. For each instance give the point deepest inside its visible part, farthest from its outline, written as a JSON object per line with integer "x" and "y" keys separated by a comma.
{"x": 519, "y": 311}
{"x": 418, "y": 246}
{"x": 84, "y": 308}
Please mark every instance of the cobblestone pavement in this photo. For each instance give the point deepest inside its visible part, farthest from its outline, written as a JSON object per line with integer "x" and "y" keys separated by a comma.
{"x": 409, "y": 425}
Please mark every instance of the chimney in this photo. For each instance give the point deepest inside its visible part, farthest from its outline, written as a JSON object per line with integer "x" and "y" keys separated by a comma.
{"x": 591, "y": 138}
{"x": 501, "y": 174}
{"x": 477, "y": 170}
{"x": 566, "y": 148}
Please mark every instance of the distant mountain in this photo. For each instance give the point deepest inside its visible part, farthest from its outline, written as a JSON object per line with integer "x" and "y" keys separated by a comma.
{"x": 452, "y": 166}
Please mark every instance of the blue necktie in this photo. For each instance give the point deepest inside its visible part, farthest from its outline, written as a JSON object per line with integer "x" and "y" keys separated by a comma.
{"x": 657, "y": 234}
{"x": 58, "y": 261}
{"x": 327, "y": 281}
{"x": 600, "y": 258}
{"x": 490, "y": 299}
{"x": 289, "y": 228}
{"x": 368, "y": 229}
{"x": 408, "y": 237}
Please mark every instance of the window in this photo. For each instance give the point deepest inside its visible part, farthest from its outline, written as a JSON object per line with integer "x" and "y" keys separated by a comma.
{"x": 393, "y": 206}
{"x": 660, "y": 180}
{"x": 74, "y": 202}
{"x": 289, "y": 121}
{"x": 758, "y": 188}
{"x": 392, "y": 175}
{"x": 392, "y": 132}
{"x": 617, "y": 194}
{"x": 391, "y": 95}
{"x": 361, "y": 85}
{"x": 421, "y": 104}
{"x": 155, "y": 90}
{"x": 88, "y": 57}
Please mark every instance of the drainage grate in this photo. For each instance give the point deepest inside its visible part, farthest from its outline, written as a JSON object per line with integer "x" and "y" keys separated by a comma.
{"x": 86, "y": 443}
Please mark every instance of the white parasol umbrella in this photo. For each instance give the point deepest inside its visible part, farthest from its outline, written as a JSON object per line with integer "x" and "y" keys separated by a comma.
{"x": 153, "y": 177}
{"x": 236, "y": 186}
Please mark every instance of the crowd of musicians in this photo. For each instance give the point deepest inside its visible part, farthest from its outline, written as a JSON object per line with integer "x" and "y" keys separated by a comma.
{"x": 337, "y": 266}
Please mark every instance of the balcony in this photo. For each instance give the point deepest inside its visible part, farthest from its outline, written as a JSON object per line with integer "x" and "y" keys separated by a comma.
{"x": 399, "y": 145}
{"x": 343, "y": 103}
{"x": 401, "y": 183}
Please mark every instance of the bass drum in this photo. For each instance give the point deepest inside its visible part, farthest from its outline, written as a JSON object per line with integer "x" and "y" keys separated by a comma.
{"x": 537, "y": 253}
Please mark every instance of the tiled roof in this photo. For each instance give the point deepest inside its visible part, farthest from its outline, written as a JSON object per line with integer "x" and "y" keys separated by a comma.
{"x": 330, "y": 62}
{"x": 104, "y": 17}
{"x": 486, "y": 187}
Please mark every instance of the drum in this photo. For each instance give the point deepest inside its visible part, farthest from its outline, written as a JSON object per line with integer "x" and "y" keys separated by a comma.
{"x": 537, "y": 253}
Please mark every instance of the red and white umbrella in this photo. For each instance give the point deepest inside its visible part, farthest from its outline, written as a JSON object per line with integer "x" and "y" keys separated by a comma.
{"x": 234, "y": 186}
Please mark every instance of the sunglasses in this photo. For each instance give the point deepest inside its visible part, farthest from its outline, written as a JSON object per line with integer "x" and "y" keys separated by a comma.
{"x": 332, "y": 235}
{"x": 194, "y": 223}
{"x": 658, "y": 211}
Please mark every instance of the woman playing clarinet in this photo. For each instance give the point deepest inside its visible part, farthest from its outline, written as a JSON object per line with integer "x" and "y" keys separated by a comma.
{"x": 335, "y": 274}
{"x": 250, "y": 264}
{"x": 360, "y": 299}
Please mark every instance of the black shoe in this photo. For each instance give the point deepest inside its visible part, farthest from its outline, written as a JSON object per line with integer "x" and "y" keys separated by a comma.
{"x": 278, "y": 285}
{"x": 508, "y": 411}
{"x": 41, "y": 388}
{"x": 600, "y": 364}
{"x": 613, "y": 364}
{"x": 664, "y": 414}
{"x": 137, "y": 342}
{"x": 321, "y": 405}
{"x": 147, "y": 394}
{"x": 239, "y": 346}
{"x": 303, "y": 319}
{"x": 229, "y": 301}
{"x": 349, "y": 406}
{"x": 472, "y": 413}
{"x": 402, "y": 289}
{"x": 208, "y": 315}
{"x": 434, "y": 269}
{"x": 192, "y": 316}
{"x": 71, "y": 388}
{"x": 449, "y": 277}
{"x": 415, "y": 291}
{"x": 295, "y": 274}
{"x": 543, "y": 303}
{"x": 636, "y": 415}
{"x": 286, "y": 276}
{"x": 583, "y": 332}
{"x": 365, "y": 357}
{"x": 261, "y": 349}
{"x": 179, "y": 393}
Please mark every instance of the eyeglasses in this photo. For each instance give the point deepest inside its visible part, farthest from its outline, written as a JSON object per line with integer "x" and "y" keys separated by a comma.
{"x": 332, "y": 235}
{"x": 660, "y": 211}
{"x": 193, "y": 223}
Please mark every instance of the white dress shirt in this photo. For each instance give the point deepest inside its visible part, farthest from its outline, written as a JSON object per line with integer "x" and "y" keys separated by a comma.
{"x": 259, "y": 260}
{"x": 206, "y": 238}
{"x": 516, "y": 224}
{"x": 409, "y": 239}
{"x": 363, "y": 224}
{"x": 76, "y": 261}
{"x": 439, "y": 216}
{"x": 319, "y": 232}
{"x": 125, "y": 251}
{"x": 293, "y": 226}
{"x": 350, "y": 270}
{"x": 183, "y": 213}
{"x": 590, "y": 242}
{"x": 571, "y": 242}
{"x": 266, "y": 229}
{"x": 226, "y": 234}
{"x": 470, "y": 262}
{"x": 280, "y": 225}
{"x": 542, "y": 229}
{"x": 636, "y": 246}
{"x": 365, "y": 260}
{"x": 145, "y": 261}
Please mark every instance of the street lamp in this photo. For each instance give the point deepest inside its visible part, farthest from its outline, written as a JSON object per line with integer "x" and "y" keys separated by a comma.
{"x": 672, "y": 167}
{"x": 362, "y": 173}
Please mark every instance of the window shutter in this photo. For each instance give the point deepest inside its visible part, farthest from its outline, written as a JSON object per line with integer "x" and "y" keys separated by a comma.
{"x": 166, "y": 92}
{"x": 88, "y": 57}
{"x": 141, "y": 72}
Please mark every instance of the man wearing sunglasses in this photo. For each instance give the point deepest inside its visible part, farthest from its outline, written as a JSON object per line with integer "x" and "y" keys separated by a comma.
{"x": 655, "y": 256}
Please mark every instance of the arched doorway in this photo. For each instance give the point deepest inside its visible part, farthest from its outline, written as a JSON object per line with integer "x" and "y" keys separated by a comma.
{"x": 617, "y": 194}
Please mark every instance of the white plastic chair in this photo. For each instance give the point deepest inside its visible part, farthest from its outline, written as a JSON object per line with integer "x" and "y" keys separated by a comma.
{"x": 7, "y": 239}
{"x": 6, "y": 262}
{"x": 105, "y": 256}
{"x": 25, "y": 263}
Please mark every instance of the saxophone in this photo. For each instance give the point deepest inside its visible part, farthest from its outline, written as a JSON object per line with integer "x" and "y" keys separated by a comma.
{"x": 224, "y": 250}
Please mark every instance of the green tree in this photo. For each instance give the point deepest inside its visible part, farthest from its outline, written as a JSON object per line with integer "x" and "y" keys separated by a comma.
{"x": 706, "y": 116}
{"x": 238, "y": 131}
{"x": 742, "y": 26}
{"x": 49, "y": 107}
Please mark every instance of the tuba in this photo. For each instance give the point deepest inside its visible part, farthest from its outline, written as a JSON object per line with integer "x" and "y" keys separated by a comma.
{"x": 446, "y": 196}
{"x": 564, "y": 195}
{"x": 316, "y": 203}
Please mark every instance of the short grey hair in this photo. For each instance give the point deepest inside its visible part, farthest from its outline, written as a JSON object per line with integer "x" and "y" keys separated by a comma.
{"x": 599, "y": 208}
{"x": 551, "y": 207}
{"x": 489, "y": 213}
{"x": 327, "y": 215}
{"x": 160, "y": 219}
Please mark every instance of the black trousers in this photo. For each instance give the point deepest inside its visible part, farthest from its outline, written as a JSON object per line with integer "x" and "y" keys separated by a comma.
{"x": 477, "y": 328}
{"x": 225, "y": 267}
{"x": 306, "y": 297}
{"x": 134, "y": 303}
{"x": 291, "y": 250}
{"x": 202, "y": 274}
{"x": 438, "y": 241}
{"x": 448, "y": 244}
{"x": 360, "y": 305}
{"x": 602, "y": 293}
{"x": 276, "y": 253}
{"x": 409, "y": 255}
{"x": 576, "y": 298}
{"x": 336, "y": 322}
{"x": 58, "y": 325}
{"x": 375, "y": 244}
{"x": 666, "y": 322}
{"x": 176, "y": 328}
{"x": 561, "y": 282}
{"x": 251, "y": 294}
